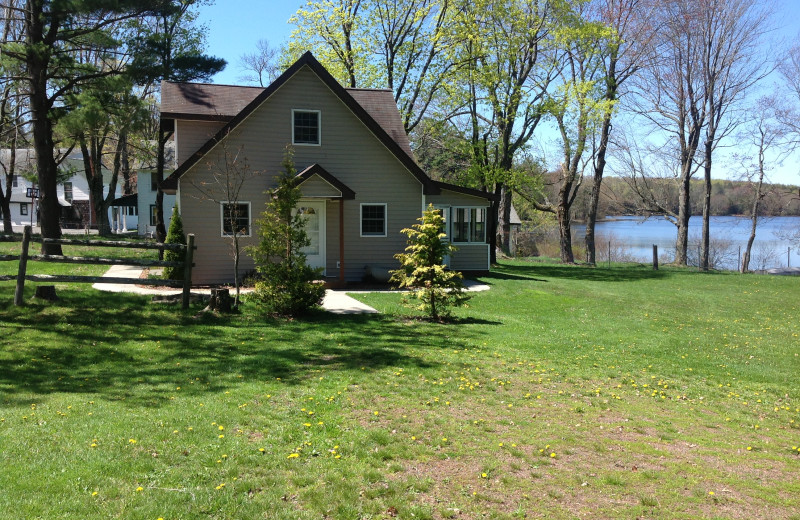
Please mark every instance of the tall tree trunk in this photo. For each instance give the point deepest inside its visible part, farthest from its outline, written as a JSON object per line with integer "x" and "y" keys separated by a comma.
{"x": 597, "y": 180}
{"x": 564, "y": 223}
{"x": 49, "y": 209}
{"x": 684, "y": 212}
{"x": 754, "y": 212}
{"x": 161, "y": 229}
{"x": 505, "y": 220}
{"x": 41, "y": 124}
{"x": 494, "y": 212}
{"x": 5, "y": 200}
{"x": 706, "y": 241}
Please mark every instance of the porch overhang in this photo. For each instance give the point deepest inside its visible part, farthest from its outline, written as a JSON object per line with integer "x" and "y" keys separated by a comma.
{"x": 321, "y": 184}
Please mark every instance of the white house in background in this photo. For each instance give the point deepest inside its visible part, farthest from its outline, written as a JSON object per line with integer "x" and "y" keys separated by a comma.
{"x": 145, "y": 203}
{"x": 73, "y": 194}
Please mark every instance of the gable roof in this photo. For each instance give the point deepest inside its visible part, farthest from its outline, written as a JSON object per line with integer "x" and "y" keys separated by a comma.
{"x": 204, "y": 101}
{"x": 380, "y": 104}
{"x": 322, "y": 173}
{"x": 306, "y": 60}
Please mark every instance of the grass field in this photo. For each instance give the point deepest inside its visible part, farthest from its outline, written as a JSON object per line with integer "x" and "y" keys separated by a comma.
{"x": 562, "y": 392}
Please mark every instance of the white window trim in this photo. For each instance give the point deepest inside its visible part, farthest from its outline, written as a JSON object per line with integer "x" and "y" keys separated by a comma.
{"x": 361, "y": 219}
{"x": 319, "y": 127}
{"x": 469, "y": 213}
{"x": 222, "y": 218}
{"x": 23, "y": 209}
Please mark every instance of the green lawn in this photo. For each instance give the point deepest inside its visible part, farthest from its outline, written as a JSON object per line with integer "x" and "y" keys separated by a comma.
{"x": 562, "y": 392}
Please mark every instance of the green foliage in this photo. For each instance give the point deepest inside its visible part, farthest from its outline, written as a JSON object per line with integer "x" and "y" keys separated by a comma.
{"x": 423, "y": 270}
{"x": 288, "y": 286}
{"x": 175, "y": 235}
{"x": 140, "y": 408}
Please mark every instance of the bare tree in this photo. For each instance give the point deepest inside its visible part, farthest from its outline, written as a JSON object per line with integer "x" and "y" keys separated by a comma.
{"x": 620, "y": 58}
{"x": 731, "y": 34}
{"x": 577, "y": 105}
{"x": 261, "y": 66}
{"x": 229, "y": 172}
{"x": 671, "y": 95}
{"x": 765, "y": 135}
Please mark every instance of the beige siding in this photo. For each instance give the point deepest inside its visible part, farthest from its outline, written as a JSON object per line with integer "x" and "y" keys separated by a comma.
{"x": 470, "y": 257}
{"x": 316, "y": 187}
{"x": 191, "y": 135}
{"x": 348, "y": 151}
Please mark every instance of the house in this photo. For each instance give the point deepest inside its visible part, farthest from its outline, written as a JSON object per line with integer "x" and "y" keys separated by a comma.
{"x": 360, "y": 183}
{"x": 73, "y": 193}
{"x": 140, "y": 207}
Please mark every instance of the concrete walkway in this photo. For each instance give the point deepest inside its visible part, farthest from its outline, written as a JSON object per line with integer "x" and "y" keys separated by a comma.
{"x": 336, "y": 302}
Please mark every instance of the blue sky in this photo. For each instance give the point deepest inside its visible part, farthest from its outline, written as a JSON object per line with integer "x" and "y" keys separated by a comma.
{"x": 235, "y": 26}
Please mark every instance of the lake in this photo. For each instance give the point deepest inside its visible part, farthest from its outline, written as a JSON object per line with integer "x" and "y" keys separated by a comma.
{"x": 632, "y": 239}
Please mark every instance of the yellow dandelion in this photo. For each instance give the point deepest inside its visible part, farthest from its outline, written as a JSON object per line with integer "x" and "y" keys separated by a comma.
{"x": 293, "y": 456}
{"x": 140, "y": 488}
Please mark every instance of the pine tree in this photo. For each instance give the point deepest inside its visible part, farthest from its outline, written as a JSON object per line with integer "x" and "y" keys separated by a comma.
{"x": 288, "y": 285}
{"x": 423, "y": 270}
{"x": 175, "y": 235}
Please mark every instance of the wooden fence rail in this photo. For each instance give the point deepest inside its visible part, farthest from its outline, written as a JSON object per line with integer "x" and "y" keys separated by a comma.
{"x": 23, "y": 258}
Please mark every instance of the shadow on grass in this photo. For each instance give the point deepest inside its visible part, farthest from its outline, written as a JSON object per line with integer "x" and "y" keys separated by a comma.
{"x": 539, "y": 273}
{"x": 121, "y": 347}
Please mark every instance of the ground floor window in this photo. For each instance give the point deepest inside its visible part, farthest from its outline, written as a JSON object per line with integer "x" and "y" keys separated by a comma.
{"x": 153, "y": 213}
{"x": 23, "y": 208}
{"x": 235, "y": 216}
{"x": 132, "y": 211}
{"x": 469, "y": 225}
{"x": 373, "y": 220}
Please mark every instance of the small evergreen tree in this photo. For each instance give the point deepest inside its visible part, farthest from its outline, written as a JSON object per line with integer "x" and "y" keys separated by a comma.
{"x": 423, "y": 270}
{"x": 175, "y": 235}
{"x": 288, "y": 286}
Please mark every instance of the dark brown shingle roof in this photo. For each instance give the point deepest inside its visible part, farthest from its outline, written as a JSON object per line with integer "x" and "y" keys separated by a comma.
{"x": 380, "y": 104}
{"x": 204, "y": 100}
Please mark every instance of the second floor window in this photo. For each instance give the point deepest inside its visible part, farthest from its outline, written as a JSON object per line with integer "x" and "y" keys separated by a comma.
{"x": 306, "y": 127}
{"x": 153, "y": 183}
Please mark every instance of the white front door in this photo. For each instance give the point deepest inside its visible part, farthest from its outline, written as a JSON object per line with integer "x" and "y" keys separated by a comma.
{"x": 314, "y": 214}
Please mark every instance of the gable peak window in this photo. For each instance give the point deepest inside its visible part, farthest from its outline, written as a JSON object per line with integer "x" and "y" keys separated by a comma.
{"x": 306, "y": 127}
{"x": 68, "y": 191}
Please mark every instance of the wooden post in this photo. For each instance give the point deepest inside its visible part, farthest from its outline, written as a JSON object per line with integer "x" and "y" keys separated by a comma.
{"x": 187, "y": 270}
{"x": 609, "y": 254}
{"x": 655, "y": 257}
{"x": 341, "y": 241}
{"x": 23, "y": 266}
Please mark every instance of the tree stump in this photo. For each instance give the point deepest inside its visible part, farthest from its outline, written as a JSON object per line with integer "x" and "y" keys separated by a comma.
{"x": 46, "y": 292}
{"x": 220, "y": 301}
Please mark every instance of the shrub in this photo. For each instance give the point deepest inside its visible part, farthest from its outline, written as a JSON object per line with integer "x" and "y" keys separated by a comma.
{"x": 175, "y": 235}
{"x": 287, "y": 286}
{"x": 423, "y": 270}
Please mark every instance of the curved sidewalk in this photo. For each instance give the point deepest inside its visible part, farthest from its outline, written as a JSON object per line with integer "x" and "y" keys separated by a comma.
{"x": 336, "y": 302}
